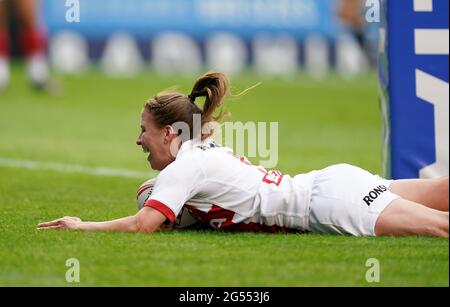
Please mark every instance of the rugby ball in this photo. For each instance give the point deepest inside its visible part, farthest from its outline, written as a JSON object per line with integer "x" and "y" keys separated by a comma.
{"x": 184, "y": 219}
{"x": 144, "y": 192}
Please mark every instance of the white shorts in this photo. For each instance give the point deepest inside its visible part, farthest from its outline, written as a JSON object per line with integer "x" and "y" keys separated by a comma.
{"x": 346, "y": 199}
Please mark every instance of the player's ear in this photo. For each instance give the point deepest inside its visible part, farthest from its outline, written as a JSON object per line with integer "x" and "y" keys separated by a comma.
{"x": 169, "y": 134}
{"x": 167, "y": 131}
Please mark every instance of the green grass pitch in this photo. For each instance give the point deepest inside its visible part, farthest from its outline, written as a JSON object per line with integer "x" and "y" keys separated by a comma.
{"x": 94, "y": 122}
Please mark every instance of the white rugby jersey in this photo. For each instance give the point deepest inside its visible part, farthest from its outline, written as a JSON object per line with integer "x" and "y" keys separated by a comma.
{"x": 229, "y": 193}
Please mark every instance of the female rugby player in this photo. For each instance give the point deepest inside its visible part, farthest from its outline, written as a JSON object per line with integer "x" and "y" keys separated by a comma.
{"x": 229, "y": 193}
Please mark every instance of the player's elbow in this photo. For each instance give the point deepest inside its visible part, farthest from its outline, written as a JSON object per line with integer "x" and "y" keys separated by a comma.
{"x": 144, "y": 224}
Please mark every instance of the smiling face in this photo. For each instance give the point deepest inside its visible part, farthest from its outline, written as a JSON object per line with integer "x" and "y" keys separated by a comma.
{"x": 163, "y": 112}
{"x": 156, "y": 141}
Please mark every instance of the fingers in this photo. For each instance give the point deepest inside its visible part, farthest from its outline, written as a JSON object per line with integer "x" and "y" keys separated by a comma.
{"x": 48, "y": 224}
{"x": 64, "y": 222}
{"x": 51, "y": 227}
{"x": 54, "y": 221}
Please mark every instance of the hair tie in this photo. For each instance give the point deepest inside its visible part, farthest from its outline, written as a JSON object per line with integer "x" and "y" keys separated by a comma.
{"x": 192, "y": 98}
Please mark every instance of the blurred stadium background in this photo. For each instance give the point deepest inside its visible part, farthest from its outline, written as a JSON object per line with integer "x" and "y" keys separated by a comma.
{"x": 186, "y": 36}
{"x": 69, "y": 149}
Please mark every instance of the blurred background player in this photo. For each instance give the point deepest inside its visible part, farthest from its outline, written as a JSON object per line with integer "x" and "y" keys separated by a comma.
{"x": 352, "y": 14}
{"x": 30, "y": 38}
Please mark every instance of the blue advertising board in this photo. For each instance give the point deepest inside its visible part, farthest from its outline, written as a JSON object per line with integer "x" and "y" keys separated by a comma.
{"x": 413, "y": 74}
{"x": 196, "y": 18}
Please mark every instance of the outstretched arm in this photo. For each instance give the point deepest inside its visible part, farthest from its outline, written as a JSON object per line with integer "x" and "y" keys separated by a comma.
{"x": 145, "y": 221}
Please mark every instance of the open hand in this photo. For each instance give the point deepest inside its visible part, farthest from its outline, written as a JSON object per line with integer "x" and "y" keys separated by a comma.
{"x": 67, "y": 222}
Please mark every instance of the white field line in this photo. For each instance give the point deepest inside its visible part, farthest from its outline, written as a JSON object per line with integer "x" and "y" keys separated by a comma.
{"x": 73, "y": 168}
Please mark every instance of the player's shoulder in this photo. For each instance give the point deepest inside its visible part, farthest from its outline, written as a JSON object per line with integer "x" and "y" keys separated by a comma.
{"x": 200, "y": 149}
{"x": 207, "y": 144}
{"x": 196, "y": 156}
{"x": 182, "y": 164}
{"x": 185, "y": 169}
{"x": 188, "y": 160}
